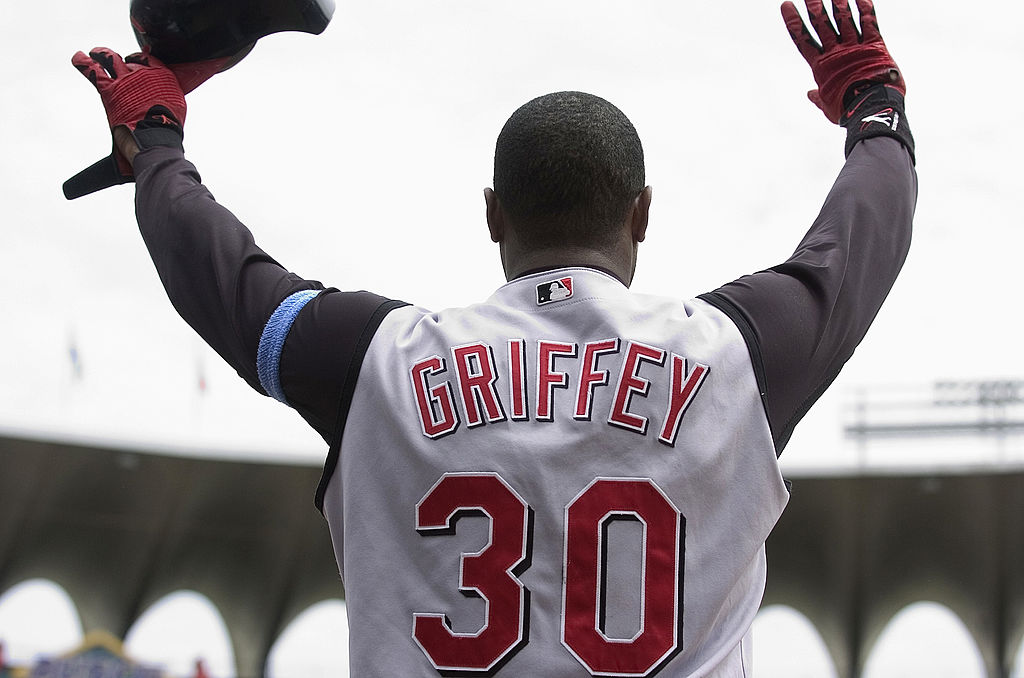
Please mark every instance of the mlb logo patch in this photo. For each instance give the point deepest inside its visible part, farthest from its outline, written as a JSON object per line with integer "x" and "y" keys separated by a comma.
{"x": 554, "y": 290}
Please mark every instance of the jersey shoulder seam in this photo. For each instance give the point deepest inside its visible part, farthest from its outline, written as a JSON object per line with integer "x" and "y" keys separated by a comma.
{"x": 739, "y": 319}
{"x": 347, "y": 391}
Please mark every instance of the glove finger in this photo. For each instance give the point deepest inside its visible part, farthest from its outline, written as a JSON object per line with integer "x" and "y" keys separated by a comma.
{"x": 844, "y": 21}
{"x": 822, "y": 24}
{"x": 88, "y": 68}
{"x": 144, "y": 58}
{"x": 139, "y": 58}
{"x": 868, "y": 21}
{"x": 805, "y": 42}
{"x": 111, "y": 62}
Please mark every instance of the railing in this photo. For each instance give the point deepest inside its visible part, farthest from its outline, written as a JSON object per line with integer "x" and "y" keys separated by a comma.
{"x": 954, "y": 422}
{"x": 945, "y": 407}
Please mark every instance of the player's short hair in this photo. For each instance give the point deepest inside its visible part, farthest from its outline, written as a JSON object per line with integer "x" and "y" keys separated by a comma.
{"x": 567, "y": 167}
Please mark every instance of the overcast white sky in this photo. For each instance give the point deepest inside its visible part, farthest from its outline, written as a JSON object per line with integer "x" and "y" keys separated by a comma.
{"x": 359, "y": 157}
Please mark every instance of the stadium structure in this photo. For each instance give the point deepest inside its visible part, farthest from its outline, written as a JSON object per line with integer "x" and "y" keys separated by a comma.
{"x": 119, "y": 528}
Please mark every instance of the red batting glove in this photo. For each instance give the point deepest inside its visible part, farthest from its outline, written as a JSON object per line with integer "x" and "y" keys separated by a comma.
{"x": 139, "y": 89}
{"x": 845, "y": 58}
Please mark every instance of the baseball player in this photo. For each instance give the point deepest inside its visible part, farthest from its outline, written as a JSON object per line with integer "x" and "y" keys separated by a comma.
{"x": 567, "y": 479}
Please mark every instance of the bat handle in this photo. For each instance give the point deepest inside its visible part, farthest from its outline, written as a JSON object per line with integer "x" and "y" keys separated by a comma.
{"x": 101, "y": 174}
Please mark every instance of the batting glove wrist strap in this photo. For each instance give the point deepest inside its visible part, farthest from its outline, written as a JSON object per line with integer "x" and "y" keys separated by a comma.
{"x": 158, "y": 128}
{"x": 876, "y": 111}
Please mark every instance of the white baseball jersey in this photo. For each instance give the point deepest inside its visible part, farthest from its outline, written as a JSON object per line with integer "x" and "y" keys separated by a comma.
{"x": 569, "y": 479}
{"x": 616, "y": 451}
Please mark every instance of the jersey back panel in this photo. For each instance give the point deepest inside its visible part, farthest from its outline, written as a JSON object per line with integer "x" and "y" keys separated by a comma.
{"x": 569, "y": 479}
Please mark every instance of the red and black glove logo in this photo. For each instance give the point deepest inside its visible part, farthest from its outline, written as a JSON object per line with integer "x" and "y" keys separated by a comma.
{"x": 876, "y": 111}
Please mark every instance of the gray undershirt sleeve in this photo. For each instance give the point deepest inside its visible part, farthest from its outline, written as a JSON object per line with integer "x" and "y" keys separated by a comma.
{"x": 803, "y": 319}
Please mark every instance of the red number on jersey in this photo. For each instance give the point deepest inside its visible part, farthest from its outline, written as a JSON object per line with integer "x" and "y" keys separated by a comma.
{"x": 586, "y": 517}
{"x": 489, "y": 573}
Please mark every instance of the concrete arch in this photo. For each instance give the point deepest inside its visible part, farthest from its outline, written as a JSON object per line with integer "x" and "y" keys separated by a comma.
{"x": 938, "y": 592}
{"x": 850, "y": 552}
{"x": 951, "y": 630}
{"x": 194, "y": 622}
{"x": 118, "y": 529}
{"x": 1016, "y": 662}
{"x": 16, "y": 588}
{"x": 35, "y": 610}
{"x": 776, "y": 626}
{"x": 318, "y": 622}
{"x": 1014, "y": 651}
{"x": 825, "y": 625}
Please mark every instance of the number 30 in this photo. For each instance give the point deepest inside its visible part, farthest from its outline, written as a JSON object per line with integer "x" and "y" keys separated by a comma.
{"x": 493, "y": 575}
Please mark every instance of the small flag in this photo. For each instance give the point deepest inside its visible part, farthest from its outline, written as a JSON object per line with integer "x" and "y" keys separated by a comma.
{"x": 76, "y": 361}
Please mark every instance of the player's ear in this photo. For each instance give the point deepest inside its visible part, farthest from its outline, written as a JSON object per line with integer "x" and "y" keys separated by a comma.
{"x": 639, "y": 214}
{"x": 495, "y": 216}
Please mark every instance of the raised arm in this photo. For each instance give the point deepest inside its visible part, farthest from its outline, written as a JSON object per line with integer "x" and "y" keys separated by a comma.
{"x": 258, "y": 316}
{"x": 803, "y": 319}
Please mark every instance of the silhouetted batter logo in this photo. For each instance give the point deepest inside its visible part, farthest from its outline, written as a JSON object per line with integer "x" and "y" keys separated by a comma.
{"x": 554, "y": 290}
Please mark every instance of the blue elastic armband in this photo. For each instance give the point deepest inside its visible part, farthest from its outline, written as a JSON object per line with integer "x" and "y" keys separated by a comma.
{"x": 268, "y": 356}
